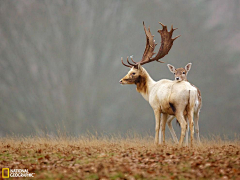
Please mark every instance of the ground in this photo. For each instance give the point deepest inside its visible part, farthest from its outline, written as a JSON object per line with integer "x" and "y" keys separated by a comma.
{"x": 118, "y": 158}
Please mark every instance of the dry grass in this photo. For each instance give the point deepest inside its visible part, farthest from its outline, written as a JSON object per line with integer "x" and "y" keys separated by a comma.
{"x": 117, "y": 158}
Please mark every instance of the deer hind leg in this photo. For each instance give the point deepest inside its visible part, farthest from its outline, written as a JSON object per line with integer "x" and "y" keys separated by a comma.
{"x": 160, "y": 133}
{"x": 190, "y": 120}
{"x": 169, "y": 123}
{"x": 187, "y": 132}
{"x": 164, "y": 120}
{"x": 183, "y": 124}
{"x": 196, "y": 118}
{"x": 157, "y": 114}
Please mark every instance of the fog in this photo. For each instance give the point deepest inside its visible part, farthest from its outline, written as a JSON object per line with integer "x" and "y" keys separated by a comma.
{"x": 60, "y": 64}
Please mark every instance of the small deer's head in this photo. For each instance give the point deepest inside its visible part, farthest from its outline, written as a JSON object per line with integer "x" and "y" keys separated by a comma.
{"x": 133, "y": 76}
{"x": 180, "y": 73}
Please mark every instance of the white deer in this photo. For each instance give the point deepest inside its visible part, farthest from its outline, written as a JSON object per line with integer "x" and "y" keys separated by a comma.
{"x": 165, "y": 96}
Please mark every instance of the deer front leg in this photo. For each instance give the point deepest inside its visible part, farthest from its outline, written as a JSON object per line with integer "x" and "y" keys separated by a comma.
{"x": 169, "y": 123}
{"x": 164, "y": 120}
{"x": 157, "y": 125}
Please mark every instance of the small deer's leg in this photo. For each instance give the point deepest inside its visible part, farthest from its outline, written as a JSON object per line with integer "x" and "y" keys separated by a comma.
{"x": 190, "y": 120}
{"x": 196, "y": 118}
{"x": 160, "y": 133}
{"x": 187, "y": 132}
{"x": 164, "y": 120}
{"x": 157, "y": 114}
{"x": 169, "y": 123}
{"x": 183, "y": 124}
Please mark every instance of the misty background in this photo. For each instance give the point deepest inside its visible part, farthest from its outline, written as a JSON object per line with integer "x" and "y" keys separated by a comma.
{"x": 60, "y": 63}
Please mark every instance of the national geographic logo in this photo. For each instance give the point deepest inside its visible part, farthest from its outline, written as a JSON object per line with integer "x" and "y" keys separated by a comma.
{"x": 6, "y": 173}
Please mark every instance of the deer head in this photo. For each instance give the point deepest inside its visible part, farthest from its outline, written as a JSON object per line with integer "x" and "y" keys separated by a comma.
{"x": 136, "y": 71}
{"x": 180, "y": 73}
{"x": 133, "y": 76}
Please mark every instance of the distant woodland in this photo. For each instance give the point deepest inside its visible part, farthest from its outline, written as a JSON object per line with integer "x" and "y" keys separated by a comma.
{"x": 60, "y": 64}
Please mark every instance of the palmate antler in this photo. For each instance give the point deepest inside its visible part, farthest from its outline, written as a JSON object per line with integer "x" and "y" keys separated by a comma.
{"x": 166, "y": 44}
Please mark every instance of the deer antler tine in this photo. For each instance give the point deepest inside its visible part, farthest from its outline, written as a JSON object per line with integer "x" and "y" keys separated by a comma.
{"x": 131, "y": 57}
{"x": 124, "y": 63}
{"x": 160, "y": 61}
{"x": 172, "y": 29}
{"x": 150, "y": 31}
{"x": 164, "y": 27}
{"x": 130, "y": 63}
{"x": 161, "y": 24}
{"x": 176, "y": 37}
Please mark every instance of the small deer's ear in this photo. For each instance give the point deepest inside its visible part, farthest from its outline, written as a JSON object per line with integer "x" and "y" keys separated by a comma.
{"x": 188, "y": 67}
{"x": 171, "y": 68}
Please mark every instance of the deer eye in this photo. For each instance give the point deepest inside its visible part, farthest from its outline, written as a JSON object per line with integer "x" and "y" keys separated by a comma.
{"x": 133, "y": 73}
{"x": 183, "y": 72}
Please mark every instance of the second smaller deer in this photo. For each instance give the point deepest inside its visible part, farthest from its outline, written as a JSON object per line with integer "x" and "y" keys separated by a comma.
{"x": 181, "y": 75}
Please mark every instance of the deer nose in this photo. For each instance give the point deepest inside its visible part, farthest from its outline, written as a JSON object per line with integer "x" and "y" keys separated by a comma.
{"x": 177, "y": 78}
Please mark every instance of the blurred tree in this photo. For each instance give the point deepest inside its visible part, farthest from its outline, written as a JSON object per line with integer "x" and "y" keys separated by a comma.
{"x": 60, "y": 63}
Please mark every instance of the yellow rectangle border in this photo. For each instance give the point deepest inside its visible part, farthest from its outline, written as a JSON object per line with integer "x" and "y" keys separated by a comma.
{"x": 3, "y": 169}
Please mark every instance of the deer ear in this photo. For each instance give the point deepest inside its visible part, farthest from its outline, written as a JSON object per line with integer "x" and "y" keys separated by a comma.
{"x": 171, "y": 68}
{"x": 139, "y": 67}
{"x": 188, "y": 67}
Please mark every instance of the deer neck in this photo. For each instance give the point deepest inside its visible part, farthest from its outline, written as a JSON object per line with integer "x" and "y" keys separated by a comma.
{"x": 144, "y": 84}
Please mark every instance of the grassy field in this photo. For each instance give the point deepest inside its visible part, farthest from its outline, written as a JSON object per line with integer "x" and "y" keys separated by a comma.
{"x": 118, "y": 158}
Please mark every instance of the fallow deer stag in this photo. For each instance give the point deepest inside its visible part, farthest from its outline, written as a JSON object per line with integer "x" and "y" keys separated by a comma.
{"x": 164, "y": 96}
{"x": 181, "y": 75}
